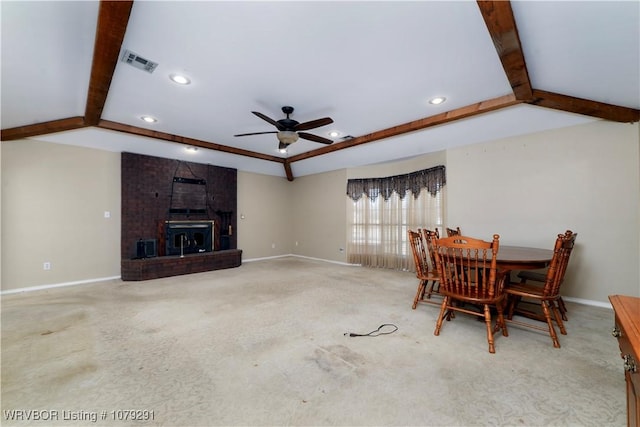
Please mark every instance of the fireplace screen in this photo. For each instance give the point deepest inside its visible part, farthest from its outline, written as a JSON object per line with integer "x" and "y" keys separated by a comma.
{"x": 189, "y": 237}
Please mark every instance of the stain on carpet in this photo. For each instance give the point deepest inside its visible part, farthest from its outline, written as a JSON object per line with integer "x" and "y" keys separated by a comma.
{"x": 338, "y": 360}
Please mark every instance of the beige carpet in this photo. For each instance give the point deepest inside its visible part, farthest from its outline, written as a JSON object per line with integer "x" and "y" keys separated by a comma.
{"x": 264, "y": 344}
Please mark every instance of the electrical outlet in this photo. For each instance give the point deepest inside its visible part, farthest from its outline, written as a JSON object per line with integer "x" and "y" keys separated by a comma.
{"x": 46, "y": 266}
{"x": 341, "y": 249}
{"x": 107, "y": 214}
{"x": 273, "y": 246}
{"x": 296, "y": 243}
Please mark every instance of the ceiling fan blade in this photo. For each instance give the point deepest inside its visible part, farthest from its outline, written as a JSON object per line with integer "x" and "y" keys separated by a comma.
{"x": 255, "y": 133}
{"x": 314, "y": 138}
{"x": 314, "y": 124}
{"x": 268, "y": 120}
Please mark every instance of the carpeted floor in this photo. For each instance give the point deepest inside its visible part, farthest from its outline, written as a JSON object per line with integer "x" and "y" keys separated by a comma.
{"x": 264, "y": 344}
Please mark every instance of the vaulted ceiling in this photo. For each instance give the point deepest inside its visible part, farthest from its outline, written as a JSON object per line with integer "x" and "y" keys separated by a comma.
{"x": 505, "y": 68}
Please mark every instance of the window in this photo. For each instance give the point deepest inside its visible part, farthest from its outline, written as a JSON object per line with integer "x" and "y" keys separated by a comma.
{"x": 378, "y": 225}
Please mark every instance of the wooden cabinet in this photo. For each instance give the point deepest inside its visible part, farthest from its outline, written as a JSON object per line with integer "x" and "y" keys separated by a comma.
{"x": 627, "y": 330}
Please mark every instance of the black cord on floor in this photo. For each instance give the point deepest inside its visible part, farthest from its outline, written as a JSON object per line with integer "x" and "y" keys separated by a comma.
{"x": 376, "y": 332}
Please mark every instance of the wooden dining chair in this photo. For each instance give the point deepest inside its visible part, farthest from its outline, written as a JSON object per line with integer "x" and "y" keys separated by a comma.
{"x": 547, "y": 296}
{"x": 425, "y": 270}
{"x": 453, "y": 232}
{"x": 535, "y": 276}
{"x": 429, "y": 237}
{"x": 469, "y": 278}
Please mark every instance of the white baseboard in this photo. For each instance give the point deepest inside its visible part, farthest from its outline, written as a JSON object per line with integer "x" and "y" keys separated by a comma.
{"x": 326, "y": 260}
{"x": 588, "y": 302}
{"x": 58, "y": 285}
{"x": 301, "y": 256}
{"x": 265, "y": 258}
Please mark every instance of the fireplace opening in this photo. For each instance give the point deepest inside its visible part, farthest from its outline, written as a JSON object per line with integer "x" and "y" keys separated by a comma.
{"x": 198, "y": 239}
{"x": 189, "y": 237}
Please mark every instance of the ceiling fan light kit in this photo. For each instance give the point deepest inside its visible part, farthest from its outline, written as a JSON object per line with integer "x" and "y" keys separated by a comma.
{"x": 287, "y": 137}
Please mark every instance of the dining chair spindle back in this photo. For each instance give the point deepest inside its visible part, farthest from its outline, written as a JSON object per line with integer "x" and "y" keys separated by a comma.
{"x": 469, "y": 277}
{"x": 425, "y": 269}
{"x": 453, "y": 232}
{"x": 546, "y": 296}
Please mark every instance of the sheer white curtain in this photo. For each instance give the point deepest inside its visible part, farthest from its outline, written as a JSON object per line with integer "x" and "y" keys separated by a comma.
{"x": 378, "y": 224}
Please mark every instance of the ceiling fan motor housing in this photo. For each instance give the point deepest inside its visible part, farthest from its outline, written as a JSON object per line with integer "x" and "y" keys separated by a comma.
{"x": 287, "y": 110}
{"x": 287, "y": 124}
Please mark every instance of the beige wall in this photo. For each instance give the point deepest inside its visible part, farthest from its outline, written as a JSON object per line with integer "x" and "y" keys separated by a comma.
{"x": 530, "y": 188}
{"x": 319, "y": 216}
{"x": 309, "y": 211}
{"x": 264, "y": 216}
{"x": 56, "y": 195}
{"x": 53, "y": 202}
{"x": 0, "y": 218}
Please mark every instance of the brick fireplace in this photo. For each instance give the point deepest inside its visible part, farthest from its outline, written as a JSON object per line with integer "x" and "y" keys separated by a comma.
{"x": 189, "y": 211}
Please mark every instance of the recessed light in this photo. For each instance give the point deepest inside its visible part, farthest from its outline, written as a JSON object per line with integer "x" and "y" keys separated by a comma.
{"x": 334, "y": 134}
{"x": 437, "y": 100}
{"x": 180, "y": 79}
{"x": 282, "y": 150}
{"x": 149, "y": 119}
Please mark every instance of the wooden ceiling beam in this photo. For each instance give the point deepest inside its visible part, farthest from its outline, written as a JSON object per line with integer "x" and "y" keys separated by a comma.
{"x": 498, "y": 17}
{"x": 113, "y": 18}
{"x": 438, "y": 119}
{"x": 584, "y": 106}
{"x": 287, "y": 170}
{"x": 43, "y": 128}
{"x": 133, "y": 130}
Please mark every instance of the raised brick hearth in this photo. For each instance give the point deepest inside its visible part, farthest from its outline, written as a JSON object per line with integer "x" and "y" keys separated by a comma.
{"x": 154, "y": 268}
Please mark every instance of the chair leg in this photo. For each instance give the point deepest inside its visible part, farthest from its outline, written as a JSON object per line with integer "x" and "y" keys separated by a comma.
{"x": 563, "y": 309}
{"x": 451, "y": 314}
{"x": 557, "y": 315}
{"x": 419, "y": 294}
{"x": 500, "y": 323}
{"x": 513, "y": 302}
{"x": 487, "y": 321}
{"x": 552, "y": 329}
{"x": 429, "y": 291}
{"x": 443, "y": 310}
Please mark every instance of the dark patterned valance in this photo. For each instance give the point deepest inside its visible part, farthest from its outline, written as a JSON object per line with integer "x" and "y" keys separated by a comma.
{"x": 432, "y": 180}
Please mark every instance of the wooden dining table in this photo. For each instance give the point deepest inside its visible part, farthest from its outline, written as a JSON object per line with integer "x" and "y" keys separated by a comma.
{"x": 514, "y": 258}
{"x": 523, "y": 258}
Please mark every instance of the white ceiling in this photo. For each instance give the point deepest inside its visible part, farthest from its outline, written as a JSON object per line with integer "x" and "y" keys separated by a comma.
{"x": 368, "y": 65}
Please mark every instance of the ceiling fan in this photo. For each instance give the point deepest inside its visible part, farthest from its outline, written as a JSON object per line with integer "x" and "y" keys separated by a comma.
{"x": 289, "y": 130}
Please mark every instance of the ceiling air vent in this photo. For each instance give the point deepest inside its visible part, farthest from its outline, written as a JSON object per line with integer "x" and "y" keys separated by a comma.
{"x": 137, "y": 61}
